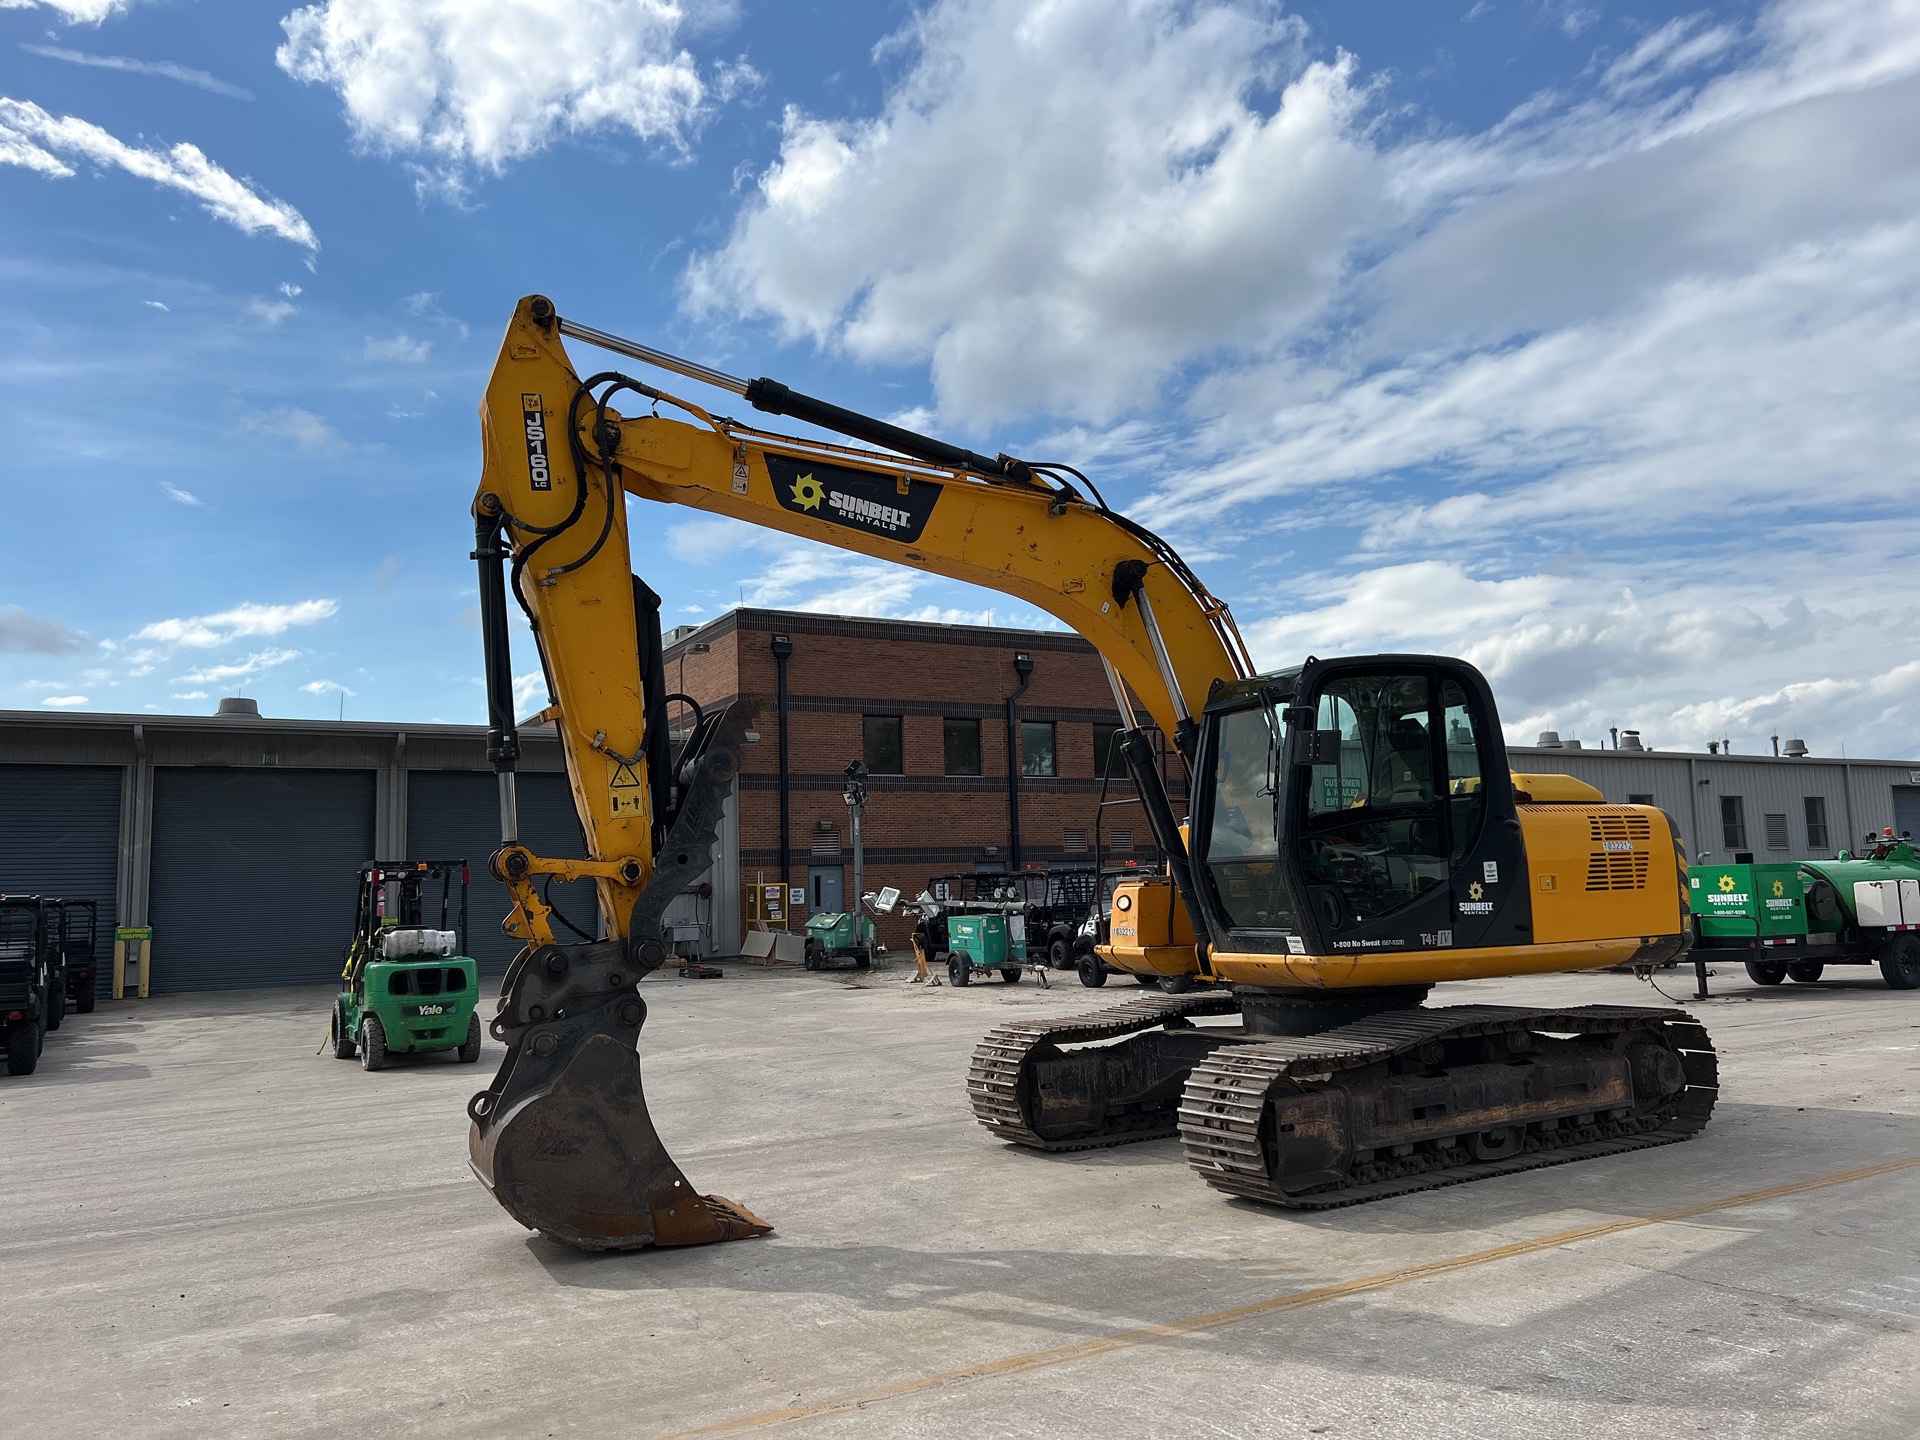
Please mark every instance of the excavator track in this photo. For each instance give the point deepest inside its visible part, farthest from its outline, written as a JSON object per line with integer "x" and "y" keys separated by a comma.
{"x": 1019, "y": 1069}
{"x": 1298, "y": 1122}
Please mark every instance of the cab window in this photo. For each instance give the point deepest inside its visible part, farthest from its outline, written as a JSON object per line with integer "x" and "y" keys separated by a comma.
{"x": 1373, "y": 832}
{"x": 1466, "y": 794}
{"x": 1243, "y": 845}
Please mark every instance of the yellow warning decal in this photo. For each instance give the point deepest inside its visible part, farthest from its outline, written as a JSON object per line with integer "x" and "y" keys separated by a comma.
{"x": 626, "y": 794}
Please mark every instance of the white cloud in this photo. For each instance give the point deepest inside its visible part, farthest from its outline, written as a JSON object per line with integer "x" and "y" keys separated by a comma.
{"x": 166, "y": 69}
{"x": 1613, "y": 397}
{"x": 529, "y": 691}
{"x": 271, "y": 312}
{"x": 1126, "y": 191}
{"x": 253, "y": 664}
{"x": 290, "y": 290}
{"x": 190, "y": 695}
{"x": 75, "y": 12}
{"x": 179, "y": 496}
{"x": 327, "y": 687}
{"x": 31, "y": 137}
{"x": 64, "y": 702}
{"x": 37, "y": 634}
{"x": 156, "y": 304}
{"x": 305, "y": 431}
{"x": 240, "y": 622}
{"x": 458, "y": 85}
{"x": 397, "y": 350}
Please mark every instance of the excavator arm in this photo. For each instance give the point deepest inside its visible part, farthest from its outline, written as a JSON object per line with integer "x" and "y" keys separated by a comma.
{"x": 562, "y": 1135}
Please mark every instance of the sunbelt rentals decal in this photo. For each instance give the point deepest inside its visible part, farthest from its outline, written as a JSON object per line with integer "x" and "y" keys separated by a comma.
{"x": 894, "y": 507}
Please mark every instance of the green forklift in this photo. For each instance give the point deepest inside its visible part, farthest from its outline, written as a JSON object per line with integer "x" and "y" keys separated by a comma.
{"x": 408, "y": 990}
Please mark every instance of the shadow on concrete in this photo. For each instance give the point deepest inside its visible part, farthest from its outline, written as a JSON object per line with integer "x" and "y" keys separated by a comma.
{"x": 1732, "y": 1325}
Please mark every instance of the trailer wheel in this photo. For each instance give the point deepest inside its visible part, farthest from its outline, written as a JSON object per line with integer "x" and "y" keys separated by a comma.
{"x": 1092, "y": 973}
{"x": 373, "y": 1043}
{"x": 863, "y": 959}
{"x": 1805, "y": 972}
{"x": 470, "y": 1051}
{"x": 84, "y": 1004}
{"x": 1011, "y": 974}
{"x": 1900, "y": 962}
{"x": 1146, "y": 979}
{"x": 1766, "y": 972}
{"x": 23, "y": 1048}
{"x": 959, "y": 972}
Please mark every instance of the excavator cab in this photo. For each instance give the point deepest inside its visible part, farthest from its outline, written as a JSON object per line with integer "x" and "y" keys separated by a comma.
{"x": 1341, "y": 808}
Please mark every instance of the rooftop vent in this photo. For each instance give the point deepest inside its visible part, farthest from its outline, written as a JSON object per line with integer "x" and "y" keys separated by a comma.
{"x": 1796, "y": 750}
{"x": 1630, "y": 740}
{"x": 1569, "y": 744}
{"x": 1549, "y": 740}
{"x": 239, "y": 705}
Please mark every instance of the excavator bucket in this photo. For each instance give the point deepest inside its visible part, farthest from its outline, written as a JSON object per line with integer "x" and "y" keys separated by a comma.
{"x": 562, "y": 1137}
{"x": 574, "y": 1155}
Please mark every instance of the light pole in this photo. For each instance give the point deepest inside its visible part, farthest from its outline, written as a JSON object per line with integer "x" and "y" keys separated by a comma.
{"x": 855, "y": 794}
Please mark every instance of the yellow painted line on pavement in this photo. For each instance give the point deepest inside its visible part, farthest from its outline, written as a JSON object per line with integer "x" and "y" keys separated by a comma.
{"x": 1298, "y": 1299}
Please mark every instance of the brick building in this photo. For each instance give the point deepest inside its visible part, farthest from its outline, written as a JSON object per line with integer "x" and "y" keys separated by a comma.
{"x": 925, "y": 706}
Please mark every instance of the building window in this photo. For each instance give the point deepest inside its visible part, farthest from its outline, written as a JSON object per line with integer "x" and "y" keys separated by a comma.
{"x": 1733, "y": 822}
{"x": 1817, "y": 823}
{"x": 1777, "y": 833}
{"x": 962, "y": 739}
{"x": 1639, "y": 800}
{"x": 880, "y": 744}
{"x": 1106, "y": 753}
{"x": 1036, "y": 749}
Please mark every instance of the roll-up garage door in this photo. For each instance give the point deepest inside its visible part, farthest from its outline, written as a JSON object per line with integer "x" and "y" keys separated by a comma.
{"x": 1906, "y": 810}
{"x": 60, "y": 835}
{"x": 455, "y": 814}
{"x": 254, "y": 874}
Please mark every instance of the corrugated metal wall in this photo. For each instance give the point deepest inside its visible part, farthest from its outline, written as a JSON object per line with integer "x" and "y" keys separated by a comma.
{"x": 456, "y": 813}
{"x": 60, "y": 835}
{"x": 1690, "y": 788}
{"x": 254, "y": 874}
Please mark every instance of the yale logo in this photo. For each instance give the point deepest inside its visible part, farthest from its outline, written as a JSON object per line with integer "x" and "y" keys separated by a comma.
{"x": 432, "y": 1010}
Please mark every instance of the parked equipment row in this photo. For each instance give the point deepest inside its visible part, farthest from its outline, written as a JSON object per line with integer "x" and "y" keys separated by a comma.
{"x": 47, "y": 961}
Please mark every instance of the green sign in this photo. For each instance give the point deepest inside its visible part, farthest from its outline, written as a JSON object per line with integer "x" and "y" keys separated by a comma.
{"x": 133, "y": 932}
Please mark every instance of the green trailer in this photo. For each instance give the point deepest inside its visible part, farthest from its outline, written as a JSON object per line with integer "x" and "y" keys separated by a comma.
{"x": 1792, "y": 921}
{"x": 407, "y": 990}
{"x": 834, "y": 935}
{"x": 989, "y": 940}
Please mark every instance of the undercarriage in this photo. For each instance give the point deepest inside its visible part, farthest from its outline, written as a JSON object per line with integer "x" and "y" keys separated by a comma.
{"x": 1398, "y": 1100}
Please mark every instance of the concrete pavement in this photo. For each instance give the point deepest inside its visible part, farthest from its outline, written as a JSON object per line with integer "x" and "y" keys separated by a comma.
{"x": 209, "y": 1230}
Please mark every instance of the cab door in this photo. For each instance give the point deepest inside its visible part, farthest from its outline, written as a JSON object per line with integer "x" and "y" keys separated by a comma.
{"x": 1403, "y": 832}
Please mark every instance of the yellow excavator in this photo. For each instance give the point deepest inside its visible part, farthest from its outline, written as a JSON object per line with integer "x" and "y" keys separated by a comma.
{"x": 1355, "y": 836}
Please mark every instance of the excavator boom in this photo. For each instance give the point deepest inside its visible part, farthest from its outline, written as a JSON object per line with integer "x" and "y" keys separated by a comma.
{"x": 562, "y": 1136}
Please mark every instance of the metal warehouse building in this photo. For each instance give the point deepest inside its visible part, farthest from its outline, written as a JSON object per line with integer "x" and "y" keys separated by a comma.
{"x": 237, "y": 838}
{"x": 1779, "y": 808}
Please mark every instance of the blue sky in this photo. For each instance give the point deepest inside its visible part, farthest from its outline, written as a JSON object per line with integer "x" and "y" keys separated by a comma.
{"x": 1575, "y": 338}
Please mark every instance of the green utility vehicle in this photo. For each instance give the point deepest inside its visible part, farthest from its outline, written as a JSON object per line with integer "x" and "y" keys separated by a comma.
{"x": 407, "y": 990}
{"x": 1791, "y": 921}
{"x": 840, "y": 935}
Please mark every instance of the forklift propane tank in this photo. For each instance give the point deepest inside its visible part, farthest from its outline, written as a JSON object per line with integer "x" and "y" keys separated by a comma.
{"x": 398, "y": 944}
